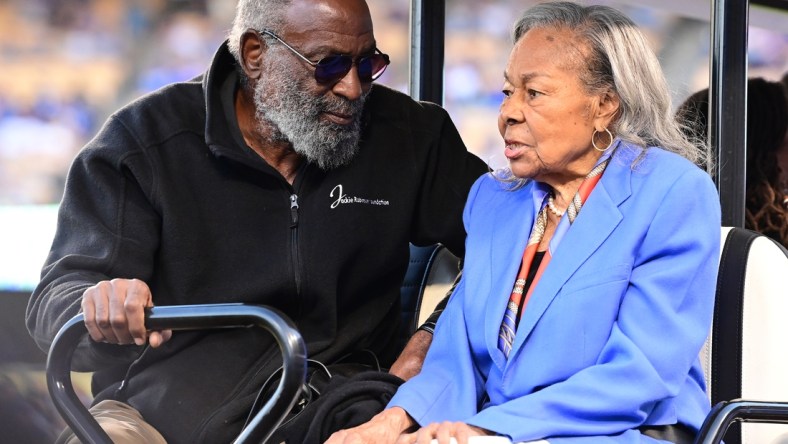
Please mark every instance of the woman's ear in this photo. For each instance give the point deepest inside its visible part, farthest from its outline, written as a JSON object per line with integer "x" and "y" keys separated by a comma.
{"x": 607, "y": 110}
{"x": 252, "y": 50}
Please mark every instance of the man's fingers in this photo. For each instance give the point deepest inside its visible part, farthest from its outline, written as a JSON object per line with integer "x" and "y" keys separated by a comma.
{"x": 101, "y": 301}
{"x": 117, "y": 317}
{"x": 157, "y": 338}
{"x": 115, "y": 312}
{"x": 89, "y": 314}
{"x": 138, "y": 297}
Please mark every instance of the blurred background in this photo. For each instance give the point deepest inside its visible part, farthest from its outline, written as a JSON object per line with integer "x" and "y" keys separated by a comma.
{"x": 65, "y": 65}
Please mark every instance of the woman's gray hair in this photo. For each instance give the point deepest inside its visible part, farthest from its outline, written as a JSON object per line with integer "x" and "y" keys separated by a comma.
{"x": 255, "y": 14}
{"x": 620, "y": 60}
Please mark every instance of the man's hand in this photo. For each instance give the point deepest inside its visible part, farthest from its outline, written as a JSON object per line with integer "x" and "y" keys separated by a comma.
{"x": 409, "y": 362}
{"x": 114, "y": 312}
{"x": 384, "y": 428}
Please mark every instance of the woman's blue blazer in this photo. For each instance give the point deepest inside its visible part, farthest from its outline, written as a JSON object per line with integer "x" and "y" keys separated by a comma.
{"x": 610, "y": 338}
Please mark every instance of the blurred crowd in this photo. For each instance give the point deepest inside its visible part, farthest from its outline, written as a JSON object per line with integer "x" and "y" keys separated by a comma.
{"x": 66, "y": 64}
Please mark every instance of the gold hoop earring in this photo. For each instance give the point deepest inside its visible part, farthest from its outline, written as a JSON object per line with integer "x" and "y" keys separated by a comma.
{"x": 609, "y": 144}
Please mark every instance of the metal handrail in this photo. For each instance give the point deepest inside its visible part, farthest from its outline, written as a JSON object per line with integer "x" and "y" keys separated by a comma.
{"x": 725, "y": 413}
{"x": 185, "y": 317}
{"x": 427, "y": 29}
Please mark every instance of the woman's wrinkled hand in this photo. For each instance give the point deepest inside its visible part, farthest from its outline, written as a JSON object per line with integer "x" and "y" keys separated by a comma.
{"x": 384, "y": 428}
{"x": 443, "y": 432}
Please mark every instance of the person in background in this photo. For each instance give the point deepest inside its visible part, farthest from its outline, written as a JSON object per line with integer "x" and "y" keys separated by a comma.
{"x": 766, "y": 208}
{"x": 283, "y": 177}
{"x": 782, "y": 153}
{"x": 591, "y": 262}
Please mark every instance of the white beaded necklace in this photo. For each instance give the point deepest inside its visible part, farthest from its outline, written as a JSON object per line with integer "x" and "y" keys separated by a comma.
{"x": 552, "y": 208}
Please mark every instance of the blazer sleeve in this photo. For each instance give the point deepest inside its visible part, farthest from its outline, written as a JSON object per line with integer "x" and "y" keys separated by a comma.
{"x": 450, "y": 381}
{"x": 663, "y": 320}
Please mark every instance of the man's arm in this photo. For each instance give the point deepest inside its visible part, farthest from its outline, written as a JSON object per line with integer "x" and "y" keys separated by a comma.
{"x": 106, "y": 228}
{"x": 409, "y": 362}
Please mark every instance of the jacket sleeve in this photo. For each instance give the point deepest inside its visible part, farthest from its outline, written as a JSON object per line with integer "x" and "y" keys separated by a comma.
{"x": 663, "y": 320}
{"x": 448, "y": 174}
{"x": 106, "y": 228}
{"x": 450, "y": 380}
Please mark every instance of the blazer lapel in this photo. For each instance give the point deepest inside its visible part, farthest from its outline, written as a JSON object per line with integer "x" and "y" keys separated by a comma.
{"x": 597, "y": 219}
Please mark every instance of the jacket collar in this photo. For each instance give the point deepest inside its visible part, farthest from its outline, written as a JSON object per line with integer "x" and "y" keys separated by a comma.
{"x": 218, "y": 135}
{"x": 221, "y": 128}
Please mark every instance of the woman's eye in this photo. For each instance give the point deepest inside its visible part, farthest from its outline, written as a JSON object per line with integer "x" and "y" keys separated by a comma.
{"x": 533, "y": 93}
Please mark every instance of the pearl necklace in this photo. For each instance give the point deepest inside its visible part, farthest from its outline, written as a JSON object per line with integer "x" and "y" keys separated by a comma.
{"x": 552, "y": 208}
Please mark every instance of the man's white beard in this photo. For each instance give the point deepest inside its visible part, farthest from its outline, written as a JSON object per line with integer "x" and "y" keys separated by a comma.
{"x": 293, "y": 115}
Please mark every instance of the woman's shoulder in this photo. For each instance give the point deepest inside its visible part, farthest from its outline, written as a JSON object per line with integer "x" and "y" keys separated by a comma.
{"x": 656, "y": 160}
{"x": 656, "y": 171}
{"x": 501, "y": 182}
{"x": 492, "y": 193}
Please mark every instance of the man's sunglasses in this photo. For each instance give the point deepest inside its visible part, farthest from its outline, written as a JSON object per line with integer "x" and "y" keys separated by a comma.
{"x": 333, "y": 68}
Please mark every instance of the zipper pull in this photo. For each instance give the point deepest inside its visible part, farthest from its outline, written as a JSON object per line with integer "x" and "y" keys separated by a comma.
{"x": 294, "y": 210}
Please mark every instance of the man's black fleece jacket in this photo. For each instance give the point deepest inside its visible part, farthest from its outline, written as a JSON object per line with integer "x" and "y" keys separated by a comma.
{"x": 167, "y": 192}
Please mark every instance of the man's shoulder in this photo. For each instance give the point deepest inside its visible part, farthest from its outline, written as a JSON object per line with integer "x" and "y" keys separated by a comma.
{"x": 173, "y": 108}
{"x": 166, "y": 98}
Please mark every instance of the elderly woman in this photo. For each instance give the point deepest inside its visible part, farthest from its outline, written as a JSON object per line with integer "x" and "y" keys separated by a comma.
{"x": 590, "y": 265}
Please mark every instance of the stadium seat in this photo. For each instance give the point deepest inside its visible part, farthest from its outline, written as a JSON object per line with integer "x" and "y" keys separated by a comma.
{"x": 745, "y": 357}
{"x": 431, "y": 272}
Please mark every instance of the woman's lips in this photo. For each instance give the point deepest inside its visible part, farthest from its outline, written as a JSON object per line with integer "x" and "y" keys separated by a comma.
{"x": 513, "y": 149}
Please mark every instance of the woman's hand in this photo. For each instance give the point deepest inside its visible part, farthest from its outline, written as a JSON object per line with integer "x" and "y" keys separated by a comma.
{"x": 385, "y": 427}
{"x": 443, "y": 432}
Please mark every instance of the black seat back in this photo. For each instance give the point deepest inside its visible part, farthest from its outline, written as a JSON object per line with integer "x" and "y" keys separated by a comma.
{"x": 431, "y": 272}
{"x": 746, "y": 356}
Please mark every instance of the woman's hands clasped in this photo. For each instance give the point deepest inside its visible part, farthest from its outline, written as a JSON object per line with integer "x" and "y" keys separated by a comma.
{"x": 442, "y": 433}
{"x": 385, "y": 428}
{"x": 391, "y": 426}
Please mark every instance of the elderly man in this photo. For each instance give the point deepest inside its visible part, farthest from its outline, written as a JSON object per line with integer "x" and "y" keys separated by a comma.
{"x": 282, "y": 177}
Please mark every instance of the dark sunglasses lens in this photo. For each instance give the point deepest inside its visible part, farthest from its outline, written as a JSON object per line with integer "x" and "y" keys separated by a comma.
{"x": 333, "y": 68}
{"x": 370, "y": 68}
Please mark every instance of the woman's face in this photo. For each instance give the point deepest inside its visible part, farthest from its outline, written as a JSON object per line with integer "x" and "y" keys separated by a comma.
{"x": 546, "y": 118}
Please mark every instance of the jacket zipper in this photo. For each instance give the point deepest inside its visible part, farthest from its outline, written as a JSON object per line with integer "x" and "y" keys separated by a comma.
{"x": 294, "y": 241}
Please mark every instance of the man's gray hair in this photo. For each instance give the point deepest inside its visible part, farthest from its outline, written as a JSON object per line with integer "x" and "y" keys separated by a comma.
{"x": 255, "y": 14}
{"x": 619, "y": 60}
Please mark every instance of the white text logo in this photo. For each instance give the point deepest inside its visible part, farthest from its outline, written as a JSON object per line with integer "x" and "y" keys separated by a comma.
{"x": 342, "y": 198}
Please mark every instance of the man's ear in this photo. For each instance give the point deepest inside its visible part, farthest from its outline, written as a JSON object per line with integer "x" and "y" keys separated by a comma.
{"x": 607, "y": 110}
{"x": 252, "y": 50}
